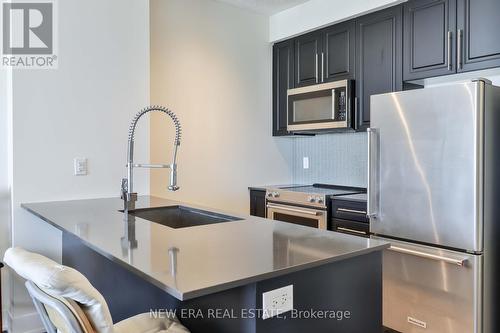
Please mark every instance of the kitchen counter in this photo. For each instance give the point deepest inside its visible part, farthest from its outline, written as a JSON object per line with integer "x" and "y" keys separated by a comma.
{"x": 361, "y": 197}
{"x": 208, "y": 258}
{"x": 265, "y": 187}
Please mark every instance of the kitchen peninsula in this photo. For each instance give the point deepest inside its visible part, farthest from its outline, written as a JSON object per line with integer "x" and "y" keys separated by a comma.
{"x": 142, "y": 263}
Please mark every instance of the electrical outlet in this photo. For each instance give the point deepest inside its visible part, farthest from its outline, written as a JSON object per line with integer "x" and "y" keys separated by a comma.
{"x": 277, "y": 302}
{"x": 80, "y": 166}
{"x": 305, "y": 162}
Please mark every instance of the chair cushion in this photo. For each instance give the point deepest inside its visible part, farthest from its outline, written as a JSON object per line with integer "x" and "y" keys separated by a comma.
{"x": 62, "y": 281}
{"x": 144, "y": 323}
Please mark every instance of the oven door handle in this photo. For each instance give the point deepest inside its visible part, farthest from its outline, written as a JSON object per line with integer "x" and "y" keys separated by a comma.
{"x": 295, "y": 210}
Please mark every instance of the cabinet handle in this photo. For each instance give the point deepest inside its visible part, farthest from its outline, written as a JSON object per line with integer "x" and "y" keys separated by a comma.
{"x": 345, "y": 210}
{"x": 450, "y": 67}
{"x": 351, "y": 230}
{"x": 317, "y": 71}
{"x": 322, "y": 67}
{"x": 459, "y": 49}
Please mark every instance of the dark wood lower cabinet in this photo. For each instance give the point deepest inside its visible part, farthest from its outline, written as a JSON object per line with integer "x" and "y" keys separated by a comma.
{"x": 258, "y": 203}
{"x": 349, "y": 216}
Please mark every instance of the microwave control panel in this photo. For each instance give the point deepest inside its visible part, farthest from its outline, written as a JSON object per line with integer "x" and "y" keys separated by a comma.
{"x": 341, "y": 104}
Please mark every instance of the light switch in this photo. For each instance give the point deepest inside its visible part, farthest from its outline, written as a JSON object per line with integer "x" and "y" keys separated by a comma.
{"x": 80, "y": 166}
{"x": 305, "y": 162}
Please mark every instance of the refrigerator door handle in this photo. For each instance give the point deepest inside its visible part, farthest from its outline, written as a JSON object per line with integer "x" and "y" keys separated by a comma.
{"x": 459, "y": 262}
{"x": 372, "y": 188}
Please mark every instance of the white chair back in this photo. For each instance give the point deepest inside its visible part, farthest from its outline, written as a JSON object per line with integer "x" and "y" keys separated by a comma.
{"x": 61, "y": 285}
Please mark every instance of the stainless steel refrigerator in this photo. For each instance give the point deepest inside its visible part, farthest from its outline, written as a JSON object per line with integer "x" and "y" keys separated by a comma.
{"x": 434, "y": 193}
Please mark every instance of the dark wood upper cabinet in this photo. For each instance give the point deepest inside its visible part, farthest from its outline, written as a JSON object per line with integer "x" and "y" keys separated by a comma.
{"x": 337, "y": 59}
{"x": 429, "y": 38}
{"x": 378, "y": 58}
{"x": 307, "y": 54}
{"x": 478, "y": 21}
{"x": 282, "y": 81}
{"x": 416, "y": 40}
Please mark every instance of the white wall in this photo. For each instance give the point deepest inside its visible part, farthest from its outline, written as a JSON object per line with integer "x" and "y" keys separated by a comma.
{"x": 319, "y": 13}
{"x": 4, "y": 179}
{"x": 82, "y": 109}
{"x": 211, "y": 63}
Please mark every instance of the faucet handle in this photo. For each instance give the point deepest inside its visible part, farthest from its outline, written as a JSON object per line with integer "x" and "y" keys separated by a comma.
{"x": 124, "y": 188}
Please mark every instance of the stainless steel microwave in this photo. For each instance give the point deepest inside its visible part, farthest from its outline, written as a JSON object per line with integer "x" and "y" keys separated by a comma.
{"x": 321, "y": 107}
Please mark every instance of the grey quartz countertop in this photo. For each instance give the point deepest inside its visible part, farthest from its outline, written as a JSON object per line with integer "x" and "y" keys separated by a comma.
{"x": 265, "y": 187}
{"x": 209, "y": 258}
{"x": 362, "y": 197}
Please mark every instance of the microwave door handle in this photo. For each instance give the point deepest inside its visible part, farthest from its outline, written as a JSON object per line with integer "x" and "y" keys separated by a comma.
{"x": 333, "y": 104}
{"x": 322, "y": 67}
{"x": 317, "y": 70}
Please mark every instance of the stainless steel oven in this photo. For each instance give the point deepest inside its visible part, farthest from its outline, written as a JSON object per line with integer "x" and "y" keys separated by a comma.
{"x": 310, "y": 216}
{"x": 304, "y": 204}
{"x": 321, "y": 107}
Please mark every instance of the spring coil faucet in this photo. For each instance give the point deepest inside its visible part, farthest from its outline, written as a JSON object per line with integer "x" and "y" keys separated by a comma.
{"x": 127, "y": 188}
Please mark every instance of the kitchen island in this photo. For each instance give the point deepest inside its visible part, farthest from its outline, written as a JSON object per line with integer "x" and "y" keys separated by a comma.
{"x": 213, "y": 275}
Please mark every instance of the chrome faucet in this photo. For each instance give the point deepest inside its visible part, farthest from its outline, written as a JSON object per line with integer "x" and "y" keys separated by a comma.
{"x": 127, "y": 189}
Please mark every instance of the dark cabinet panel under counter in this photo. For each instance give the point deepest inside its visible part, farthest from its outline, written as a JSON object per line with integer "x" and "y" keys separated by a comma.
{"x": 348, "y": 215}
{"x": 257, "y": 202}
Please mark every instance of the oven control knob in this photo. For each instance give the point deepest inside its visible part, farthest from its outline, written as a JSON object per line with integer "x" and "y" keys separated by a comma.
{"x": 269, "y": 194}
{"x": 311, "y": 199}
{"x": 319, "y": 200}
{"x": 276, "y": 195}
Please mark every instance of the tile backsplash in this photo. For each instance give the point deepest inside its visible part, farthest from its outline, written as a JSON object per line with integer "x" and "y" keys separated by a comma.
{"x": 339, "y": 158}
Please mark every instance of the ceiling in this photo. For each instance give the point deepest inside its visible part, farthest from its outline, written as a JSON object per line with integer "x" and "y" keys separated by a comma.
{"x": 267, "y": 7}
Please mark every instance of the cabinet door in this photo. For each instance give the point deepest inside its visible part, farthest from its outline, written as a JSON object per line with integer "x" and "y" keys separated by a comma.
{"x": 307, "y": 62}
{"x": 429, "y": 38}
{"x": 282, "y": 81}
{"x": 378, "y": 58}
{"x": 258, "y": 203}
{"x": 478, "y": 21}
{"x": 337, "y": 58}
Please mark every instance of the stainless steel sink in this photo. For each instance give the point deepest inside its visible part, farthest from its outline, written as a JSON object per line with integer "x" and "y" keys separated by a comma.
{"x": 181, "y": 216}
